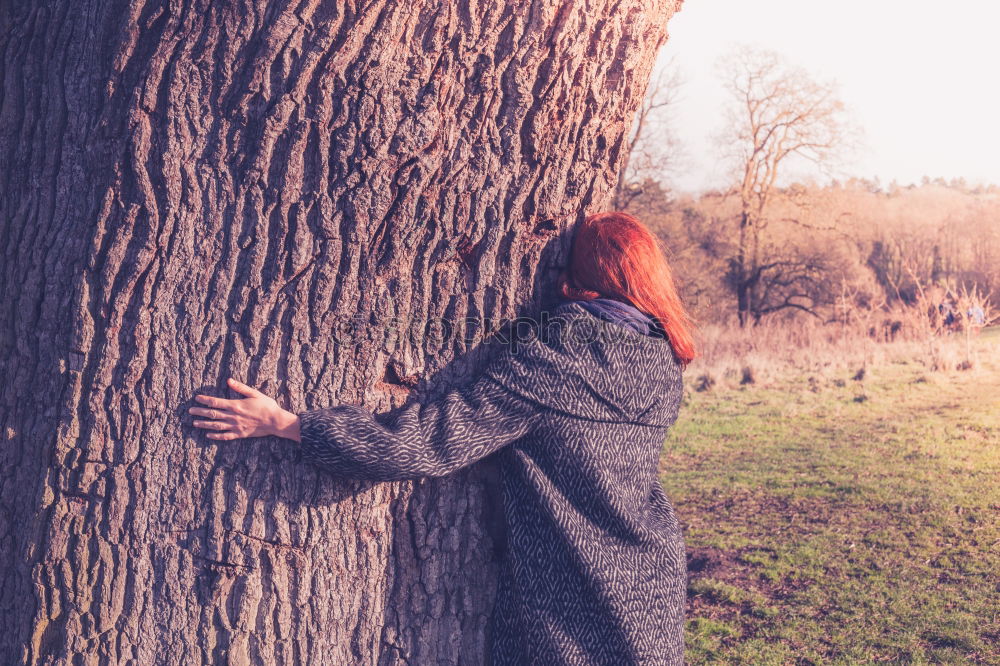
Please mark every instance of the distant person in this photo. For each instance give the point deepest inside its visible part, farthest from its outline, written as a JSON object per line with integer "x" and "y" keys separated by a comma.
{"x": 947, "y": 310}
{"x": 594, "y": 570}
{"x": 977, "y": 318}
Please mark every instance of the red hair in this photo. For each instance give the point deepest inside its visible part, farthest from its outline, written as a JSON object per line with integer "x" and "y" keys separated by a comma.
{"x": 615, "y": 256}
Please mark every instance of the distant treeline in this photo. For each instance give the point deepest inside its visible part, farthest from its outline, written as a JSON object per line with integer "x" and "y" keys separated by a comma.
{"x": 832, "y": 250}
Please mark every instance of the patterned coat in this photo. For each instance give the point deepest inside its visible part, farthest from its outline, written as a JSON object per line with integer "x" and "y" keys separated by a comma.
{"x": 594, "y": 570}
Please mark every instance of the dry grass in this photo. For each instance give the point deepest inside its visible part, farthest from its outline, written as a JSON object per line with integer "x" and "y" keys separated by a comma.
{"x": 732, "y": 357}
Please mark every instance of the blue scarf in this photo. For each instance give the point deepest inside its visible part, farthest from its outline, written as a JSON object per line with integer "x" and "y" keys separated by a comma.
{"x": 622, "y": 313}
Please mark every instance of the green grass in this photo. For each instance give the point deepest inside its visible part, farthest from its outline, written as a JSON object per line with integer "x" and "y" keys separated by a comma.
{"x": 846, "y": 523}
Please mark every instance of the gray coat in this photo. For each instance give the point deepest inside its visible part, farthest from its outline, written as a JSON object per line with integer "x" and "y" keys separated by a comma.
{"x": 594, "y": 571}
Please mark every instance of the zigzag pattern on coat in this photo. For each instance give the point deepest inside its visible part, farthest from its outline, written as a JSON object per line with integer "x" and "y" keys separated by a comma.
{"x": 594, "y": 567}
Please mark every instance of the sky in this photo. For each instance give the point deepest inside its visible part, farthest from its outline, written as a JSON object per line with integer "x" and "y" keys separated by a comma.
{"x": 921, "y": 79}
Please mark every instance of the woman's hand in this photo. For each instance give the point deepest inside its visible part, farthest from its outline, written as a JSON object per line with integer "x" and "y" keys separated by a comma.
{"x": 257, "y": 415}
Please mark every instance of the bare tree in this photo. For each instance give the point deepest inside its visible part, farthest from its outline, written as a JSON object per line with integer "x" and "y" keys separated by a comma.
{"x": 779, "y": 115}
{"x": 652, "y": 147}
{"x": 196, "y": 190}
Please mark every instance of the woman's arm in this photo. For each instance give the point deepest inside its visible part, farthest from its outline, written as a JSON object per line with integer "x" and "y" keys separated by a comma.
{"x": 420, "y": 439}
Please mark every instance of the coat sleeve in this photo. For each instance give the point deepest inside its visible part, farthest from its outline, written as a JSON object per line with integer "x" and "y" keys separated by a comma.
{"x": 432, "y": 438}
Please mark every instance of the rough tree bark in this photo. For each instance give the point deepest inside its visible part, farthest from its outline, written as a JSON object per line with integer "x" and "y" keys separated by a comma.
{"x": 193, "y": 190}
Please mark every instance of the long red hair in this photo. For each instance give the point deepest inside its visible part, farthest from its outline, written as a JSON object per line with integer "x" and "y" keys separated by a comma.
{"x": 615, "y": 256}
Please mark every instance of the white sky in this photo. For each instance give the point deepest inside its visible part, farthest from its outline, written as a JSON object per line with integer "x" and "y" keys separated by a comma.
{"x": 921, "y": 78}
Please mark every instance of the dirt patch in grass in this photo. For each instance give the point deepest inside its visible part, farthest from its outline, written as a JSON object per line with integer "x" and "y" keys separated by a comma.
{"x": 727, "y": 585}
{"x": 709, "y": 561}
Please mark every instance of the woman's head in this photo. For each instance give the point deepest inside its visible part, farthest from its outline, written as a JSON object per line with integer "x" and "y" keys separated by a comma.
{"x": 615, "y": 256}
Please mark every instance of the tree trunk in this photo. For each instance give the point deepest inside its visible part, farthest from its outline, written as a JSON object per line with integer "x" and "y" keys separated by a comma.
{"x": 195, "y": 190}
{"x": 743, "y": 272}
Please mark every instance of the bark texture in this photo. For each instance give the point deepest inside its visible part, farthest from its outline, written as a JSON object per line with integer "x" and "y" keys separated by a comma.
{"x": 192, "y": 190}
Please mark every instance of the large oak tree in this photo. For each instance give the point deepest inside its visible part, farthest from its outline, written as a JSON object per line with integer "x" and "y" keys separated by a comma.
{"x": 191, "y": 190}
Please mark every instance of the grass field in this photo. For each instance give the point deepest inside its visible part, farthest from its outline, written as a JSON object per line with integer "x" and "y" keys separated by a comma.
{"x": 831, "y": 520}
